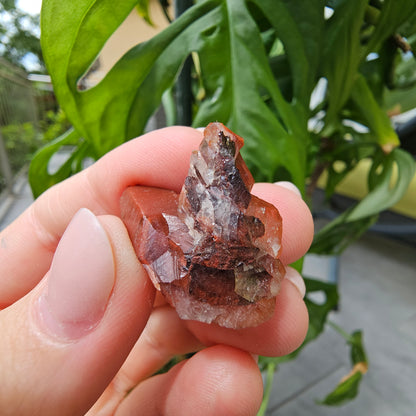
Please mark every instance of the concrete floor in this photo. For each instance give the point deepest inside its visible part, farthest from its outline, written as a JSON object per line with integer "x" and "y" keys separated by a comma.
{"x": 377, "y": 283}
{"x": 11, "y": 206}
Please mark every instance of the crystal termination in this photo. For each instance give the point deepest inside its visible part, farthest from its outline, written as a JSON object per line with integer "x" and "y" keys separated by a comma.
{"x": 213, "y": 249}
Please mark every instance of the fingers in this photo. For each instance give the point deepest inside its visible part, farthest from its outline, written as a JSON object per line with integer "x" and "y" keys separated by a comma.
{"x": 280, "y": 335}
{"x": 164, "y": 337}
{"x": 286, "y": 330}
{"x": 70, "y": 335}
{"x": 216, "y": 381}
{"x": 297, "y": 222}
{"x": 160, "y": 158}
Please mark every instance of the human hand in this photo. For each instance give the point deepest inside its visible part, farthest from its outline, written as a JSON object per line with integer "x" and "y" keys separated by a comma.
{"x": 80, "y": 327}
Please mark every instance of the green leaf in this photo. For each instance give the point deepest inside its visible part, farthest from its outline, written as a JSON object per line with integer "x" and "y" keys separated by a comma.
{"x": 143, "y": 9}
{"x": 358, "y": 354}
{"x": 72, "y": 35}
{"x": 373, "y": 115}
{"x": 272, "y": 140}
{"x": 349, "y": 153}
{"x": 389, "y": 179}
{"x": 299, "y": 26}
{"x": 40, "y": 178}
{"x": 348, "y": 387}
{"x": 386, "y": 187}
{"x": 282, "y": 73}
{"x": 393, "y": 14}
{"x": 355, "y": 341}
{"x": 379, "y": 71}
{"x": 344, "y": 392}
{"x": 334, "y": 237}
{"x": 118, "y": 108}
{"x": 318, "y": 314}
{"x": 243, "y": 62}
{"x": 342, "y": 53}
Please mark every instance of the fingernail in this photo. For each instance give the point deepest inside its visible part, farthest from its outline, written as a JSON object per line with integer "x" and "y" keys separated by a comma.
{"x": 80, "y": 280}
{"x": 201, "y": 129}
{"x": 296, "y": 279}
{"x": 290, "y": 186}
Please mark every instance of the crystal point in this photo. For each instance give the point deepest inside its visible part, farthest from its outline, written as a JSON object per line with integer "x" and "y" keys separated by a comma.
{"x": 213, "y": 249}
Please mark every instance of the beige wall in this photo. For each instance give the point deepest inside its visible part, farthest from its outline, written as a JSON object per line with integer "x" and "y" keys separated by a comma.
{"x": 132, "y": 31}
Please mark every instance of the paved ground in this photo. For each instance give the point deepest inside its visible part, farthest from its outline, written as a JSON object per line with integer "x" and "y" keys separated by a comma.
{"x": 11, "y": 206}
{"x": 378, "y": 294}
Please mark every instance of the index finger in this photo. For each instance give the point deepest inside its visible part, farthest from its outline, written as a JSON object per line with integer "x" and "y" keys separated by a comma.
{"x": 159, "y": 158}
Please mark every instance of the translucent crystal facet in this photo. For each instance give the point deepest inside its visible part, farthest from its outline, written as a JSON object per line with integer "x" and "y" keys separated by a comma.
{"x": 213, "y": 249}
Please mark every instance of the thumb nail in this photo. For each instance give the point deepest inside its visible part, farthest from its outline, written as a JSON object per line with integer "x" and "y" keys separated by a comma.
{"x": 296, "y": 279}
{"x": 289, "y": 185}
{"x": 80, "y": 280}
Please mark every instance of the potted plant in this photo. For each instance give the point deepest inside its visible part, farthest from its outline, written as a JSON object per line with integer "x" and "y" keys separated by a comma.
{"x": 302, "y": 81}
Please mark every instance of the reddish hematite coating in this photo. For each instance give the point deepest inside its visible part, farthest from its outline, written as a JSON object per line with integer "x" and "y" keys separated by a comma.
{"x": 213, "y": 249}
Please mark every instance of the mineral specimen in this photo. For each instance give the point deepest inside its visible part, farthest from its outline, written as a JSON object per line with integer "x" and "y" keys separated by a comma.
{"x": 213, "y": 249}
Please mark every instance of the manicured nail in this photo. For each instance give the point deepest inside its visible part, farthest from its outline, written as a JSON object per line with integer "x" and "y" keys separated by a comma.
{"x": 290, "y": 186}
{"x": 296, "y": 279}
{"x": 80, "y": 279}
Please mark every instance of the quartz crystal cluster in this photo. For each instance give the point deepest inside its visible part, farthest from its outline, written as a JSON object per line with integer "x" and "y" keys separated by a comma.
{"x": 213, "y": 249}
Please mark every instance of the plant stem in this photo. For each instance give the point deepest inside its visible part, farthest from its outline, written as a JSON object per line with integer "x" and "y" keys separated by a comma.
{"x": 271, "y": 368}
{"x": 164, "y": 4}
{"x": 183, "y": 84}
{"x": 339, "y": 330}
{"x": 316, "y": 174}
{"x": 402, "y": 43}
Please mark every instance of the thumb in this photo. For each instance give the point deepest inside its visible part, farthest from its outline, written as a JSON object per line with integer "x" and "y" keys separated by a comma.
{"x": 63, "y": 343}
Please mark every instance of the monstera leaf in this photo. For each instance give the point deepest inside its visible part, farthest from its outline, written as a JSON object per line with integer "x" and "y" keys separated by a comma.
{"x": 236, "y": 74}
{"x": 256, "y": 65}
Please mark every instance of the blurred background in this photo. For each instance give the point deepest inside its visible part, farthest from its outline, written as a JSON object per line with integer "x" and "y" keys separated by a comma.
{"x": 377, "y": 274}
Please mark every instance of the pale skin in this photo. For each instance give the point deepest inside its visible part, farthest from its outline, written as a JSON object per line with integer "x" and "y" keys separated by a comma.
{"x": 46, "y": 372}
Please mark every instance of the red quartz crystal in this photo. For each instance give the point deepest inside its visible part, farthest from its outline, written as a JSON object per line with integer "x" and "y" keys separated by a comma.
{"x": 213, "y": 249}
